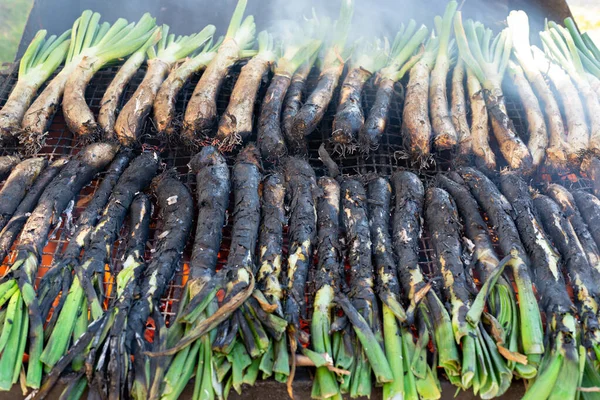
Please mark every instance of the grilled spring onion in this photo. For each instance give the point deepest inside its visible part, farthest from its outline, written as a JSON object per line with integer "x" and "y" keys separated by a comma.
{"x": 589, "y": 205}
{"x": 459, "y": 110}
{"x": 368, "y": 353}
{"x": 86, "y": 33}
{"x": 293, "y": 103}
{"x": 498, "y": 210}
{"x": 480, "y": 145}
{"x": 577, "y": 139}
{"x": 201, "y": 112}
{"x": 59, "y": 276}
{"x": 40, "y": 60}
{"x": 401, "y": 61}
{"x": 556, "y": 156}
{"x": 387, "y": 285}
{"x": 368, "y": 57}
{"x": 296, "y": 52}
{"x": 538, "y": 134}
{"x": 406, "y": 225}
{"x": 15, "y": 224}
{"x": 235, "y": 124}
{"x": 482, "y": 366}
{"x": 103, "y": 339}
{"x": 240, "y": 335}
{"x": 488, "y": 60}
{"x": 7, "y": 163}
{"x": 313, "y": 110}
{"x": 17, "y": 185}
{"x": 212, "y": 199}
{"x": 24, "y": 310}
{"x": 118, "y": 42}
{"x": 583, "y": 277}
{"x": 501, "y": 299}
{"x": 107, "y": 116}
{"x": 416, "y": 126}
{"x": 82, "y": 293}
{"x": 165, "y": 114}
{"x": 445, "y": 136}
{"x": 560, "y": 47}
{"x": 176, "y": 211}
{"x": 565, "y": 200}
{"x": 169, "y": 50}
{"x": 555, "y": 301}
{"x": 270, "y": 242}
{"x": 327, "y": 278}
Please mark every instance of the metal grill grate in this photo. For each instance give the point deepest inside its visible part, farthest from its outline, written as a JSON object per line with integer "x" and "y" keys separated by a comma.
{"x": 386, "y": 159}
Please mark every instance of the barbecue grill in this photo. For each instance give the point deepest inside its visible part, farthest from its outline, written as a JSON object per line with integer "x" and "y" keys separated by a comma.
{"x": 389, "y": 157}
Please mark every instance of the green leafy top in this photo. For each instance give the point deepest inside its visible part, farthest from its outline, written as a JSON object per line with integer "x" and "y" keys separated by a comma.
{"x": 43, "y": 56}
{"x": 171, "y": 48}
{"x": 486, "y": 58}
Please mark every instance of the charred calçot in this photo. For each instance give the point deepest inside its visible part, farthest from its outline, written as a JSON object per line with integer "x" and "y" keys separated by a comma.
{"x": 547, "y": 268}
{"x": 59, "y": 275}
{"x": 15, "y": 224}
{"x": 77, "y": 173}
{"x": 97, "y": 251}
{"x": 21, "y": 178}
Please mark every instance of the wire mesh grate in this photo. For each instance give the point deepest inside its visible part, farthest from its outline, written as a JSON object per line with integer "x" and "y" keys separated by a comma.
{"x": 389, "y": 157}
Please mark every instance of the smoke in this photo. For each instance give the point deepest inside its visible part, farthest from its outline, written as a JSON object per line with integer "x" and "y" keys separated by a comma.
{"x": 371, "y": 17}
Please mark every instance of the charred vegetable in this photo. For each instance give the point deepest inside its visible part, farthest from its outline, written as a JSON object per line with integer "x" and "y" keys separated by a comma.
{"x": 367, "y": 350}
{"x": 313, "y": 110}
{"x": 445, "y": 136}
{"x": 301, "y": 188}
{"x": 40, "y": 60}
{"x": 406, "y": 224}
{"x": 212, "y": 198}
{"x": 22, "y": 177}
{"x": 59, "y": 276}
{"x": 416, "y": 127}
{"x": 236, "y": 123}
{"x": 26, "y": 316}
{"x": 201, "y": 112}
{"x": 106, "y": 356}
{"x": 82, "y": 292}
{"x": 240, "y": 335}
{"x": 480, "y": 145}
{"x": 387, "y": 285}
{"x": 488, "y": 60}
{"x": 482, "y": 366}
{"x": 499, "y": 210}
{"x": 589, "y": 205}
{"x": 292, "y": 104}
{"x": 327, "y": 278}
{"x": 497, "y": 291}
{"x": 119, "y": 41}
{"x": 7, "y": 163}
{"x": 565, "y": 200}
{"x": 165, "y": 114}
{"x": 368, "y": 57}
{"x": 170, "y": 49}
{"x": 582, "y": 276}
{"x": 296, "y": 53}
{"x": 406, "y": 43}
{"x": 107, "y": 116}
{"x": 555, "y": 301}
{"x": 15, "y": 224}
{"x": 459, "y": 110}
{"x": 176, "y": 207}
